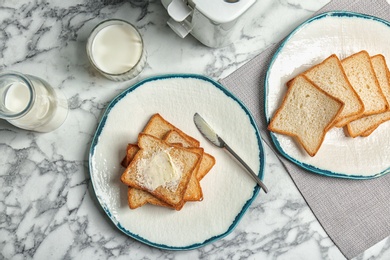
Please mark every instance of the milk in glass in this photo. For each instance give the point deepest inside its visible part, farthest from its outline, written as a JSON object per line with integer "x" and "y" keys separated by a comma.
{"x": 115, "y": 48}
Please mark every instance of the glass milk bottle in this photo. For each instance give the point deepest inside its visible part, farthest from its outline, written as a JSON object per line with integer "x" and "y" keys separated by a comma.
{"x": 31, "y": 103}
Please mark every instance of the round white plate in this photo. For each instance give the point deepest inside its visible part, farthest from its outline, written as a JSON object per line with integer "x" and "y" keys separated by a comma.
{"x": 340, "y": 33}
{"x": 227, "y": 189}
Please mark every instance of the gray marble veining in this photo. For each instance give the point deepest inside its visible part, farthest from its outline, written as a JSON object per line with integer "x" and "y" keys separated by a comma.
{"x": 48, "y": 209}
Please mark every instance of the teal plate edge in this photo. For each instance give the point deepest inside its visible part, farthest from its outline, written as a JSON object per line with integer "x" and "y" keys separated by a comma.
{"x": 246, "y": 205}
{"x": 274, "y": 138}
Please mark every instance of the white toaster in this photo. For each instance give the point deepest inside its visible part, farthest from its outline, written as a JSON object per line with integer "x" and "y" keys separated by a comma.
{"x": 215, "y": 23}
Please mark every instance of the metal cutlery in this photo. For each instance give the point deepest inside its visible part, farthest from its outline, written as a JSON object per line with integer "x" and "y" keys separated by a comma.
{"x": 215, "y": 139}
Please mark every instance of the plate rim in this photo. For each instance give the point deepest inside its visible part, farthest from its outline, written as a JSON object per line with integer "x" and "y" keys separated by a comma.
{"x": 101, "y": 125}
{"x": 274, "y": 138}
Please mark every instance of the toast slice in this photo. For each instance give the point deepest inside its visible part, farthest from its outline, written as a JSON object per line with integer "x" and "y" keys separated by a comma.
{"x": 207, "y": 161}
{"x": 361, "y": 75}
{"x": 159, "y": 127}
{"x": 175, "y": 137}
{"x": 137, "y": 198}
{"x": 131, "y": 150}
{"x": 366, "y": 125}
{"x": 164, "y": 130}
{"x": 329, "y": 75}
{"x": 194, "y": 190}
{"x": 306, "y": 113}
{"x": 160, "y": 169}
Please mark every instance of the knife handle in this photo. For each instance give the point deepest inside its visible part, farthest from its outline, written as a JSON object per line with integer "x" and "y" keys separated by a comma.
{"x": 249, "y": 170}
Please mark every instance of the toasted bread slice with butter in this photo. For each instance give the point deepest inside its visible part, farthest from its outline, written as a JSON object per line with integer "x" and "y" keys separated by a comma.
{"x": 329, "y": 75}
{"x": 160, "y": 169}
{"x": 138, "y": 198}
{"x": 361, "y": 75}
{"x": 207, "y": 161}
{"x": 306, "y": 113}
{"x": 159, "y": 127}
{"x": 366, "y": 125}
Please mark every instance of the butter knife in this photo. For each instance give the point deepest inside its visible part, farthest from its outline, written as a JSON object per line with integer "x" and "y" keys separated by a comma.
{"x": 215, "y": 139}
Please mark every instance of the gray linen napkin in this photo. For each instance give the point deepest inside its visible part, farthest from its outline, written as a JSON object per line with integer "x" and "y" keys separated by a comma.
{"x": 354, "y": 213}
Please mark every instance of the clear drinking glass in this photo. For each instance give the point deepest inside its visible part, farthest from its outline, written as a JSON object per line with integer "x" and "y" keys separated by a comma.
{"x": 31, "y": 103}
{"x": 115, "y": 48}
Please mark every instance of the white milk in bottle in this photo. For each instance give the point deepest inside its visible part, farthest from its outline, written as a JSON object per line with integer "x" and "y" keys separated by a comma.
{"x": 17, "y": 97}
{"x": 31, "y": 103}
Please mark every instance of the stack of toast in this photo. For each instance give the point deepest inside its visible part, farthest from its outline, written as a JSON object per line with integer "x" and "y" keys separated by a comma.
{"x": 353, "y": 93}
{"x": 165, "y": 167}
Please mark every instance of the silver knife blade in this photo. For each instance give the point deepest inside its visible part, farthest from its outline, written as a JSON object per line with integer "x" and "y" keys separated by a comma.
{"x": 213, "y": 137}
{"x": 206, "y": 130}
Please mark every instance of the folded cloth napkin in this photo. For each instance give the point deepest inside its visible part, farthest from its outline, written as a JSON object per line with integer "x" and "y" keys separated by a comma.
{"x": 354, "y": 213}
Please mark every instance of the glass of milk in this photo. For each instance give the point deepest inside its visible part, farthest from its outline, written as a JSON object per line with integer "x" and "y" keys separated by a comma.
{"x": 115, "y": 48}
{"x": 31, "y": 103}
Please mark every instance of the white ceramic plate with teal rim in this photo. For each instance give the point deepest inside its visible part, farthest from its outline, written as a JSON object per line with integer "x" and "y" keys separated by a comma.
{"x": 340, "y": 33}
{"x": 227, "y": 189}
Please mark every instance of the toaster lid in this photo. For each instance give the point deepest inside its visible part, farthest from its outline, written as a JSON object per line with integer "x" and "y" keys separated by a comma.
{"x": 223, "y": 11}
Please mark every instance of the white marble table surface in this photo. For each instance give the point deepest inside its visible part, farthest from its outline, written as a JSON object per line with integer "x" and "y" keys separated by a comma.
{"x": 48, "y": 209}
